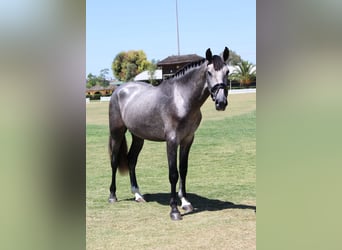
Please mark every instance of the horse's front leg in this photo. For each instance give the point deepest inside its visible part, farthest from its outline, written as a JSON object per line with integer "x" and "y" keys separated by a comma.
{"x": 183, "y": 169}
{"x": 173, "y": 178}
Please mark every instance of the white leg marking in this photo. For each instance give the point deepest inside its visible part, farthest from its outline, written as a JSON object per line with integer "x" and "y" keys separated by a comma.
{"x": 137, "y": 194}
{"x": 139, "y": 197}
{"x": 185, "y": 202}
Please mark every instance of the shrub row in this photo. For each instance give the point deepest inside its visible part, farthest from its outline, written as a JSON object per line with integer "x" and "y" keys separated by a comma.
{"x": 95, "y": 97}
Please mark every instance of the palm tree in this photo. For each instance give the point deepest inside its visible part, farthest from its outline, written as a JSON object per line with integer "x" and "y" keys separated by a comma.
{"x": 245, "y": 73}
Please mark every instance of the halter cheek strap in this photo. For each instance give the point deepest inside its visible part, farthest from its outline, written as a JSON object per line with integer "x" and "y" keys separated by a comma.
{"x": 215, "y": 89}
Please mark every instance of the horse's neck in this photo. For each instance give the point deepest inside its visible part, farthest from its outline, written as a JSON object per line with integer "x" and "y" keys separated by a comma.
{"x": 204, "y": 95}
{"x": 195, "y": 90}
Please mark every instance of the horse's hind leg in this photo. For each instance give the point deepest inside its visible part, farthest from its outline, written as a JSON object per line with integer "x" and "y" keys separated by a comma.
{"x": 137, "y": 144}
{"x": 114, "y": 148}
{"x": 183, "y": 169}
{"x": 114, "y": 165}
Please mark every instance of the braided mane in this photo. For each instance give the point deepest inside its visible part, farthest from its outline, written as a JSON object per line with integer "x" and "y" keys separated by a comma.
{"x": 182, "y": 71}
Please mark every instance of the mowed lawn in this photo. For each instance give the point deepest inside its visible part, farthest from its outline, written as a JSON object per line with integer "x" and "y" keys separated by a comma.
{"x": 221, "y": 185}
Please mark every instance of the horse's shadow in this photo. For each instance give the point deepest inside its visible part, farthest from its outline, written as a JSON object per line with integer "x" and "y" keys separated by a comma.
{"x": 199, "y": 203}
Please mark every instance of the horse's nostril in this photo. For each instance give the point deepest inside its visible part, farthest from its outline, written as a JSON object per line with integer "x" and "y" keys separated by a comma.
{"x": 220, "y": 105}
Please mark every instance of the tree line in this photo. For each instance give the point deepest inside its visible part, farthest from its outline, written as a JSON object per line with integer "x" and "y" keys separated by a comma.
{"x": 127, "y": 64}
{"x": 101, "y": 79}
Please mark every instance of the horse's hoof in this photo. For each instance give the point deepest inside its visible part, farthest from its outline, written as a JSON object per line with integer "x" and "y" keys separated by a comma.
{"x": 188, "y": 208}
{"x": 175, "y": 216}
{"x": 112, "y": 199}
{"x": 140, "y": 199}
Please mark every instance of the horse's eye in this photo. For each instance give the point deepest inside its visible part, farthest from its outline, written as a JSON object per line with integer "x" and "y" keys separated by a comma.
{"x": 209, "y": 74}
{"x": 227, "y": 73}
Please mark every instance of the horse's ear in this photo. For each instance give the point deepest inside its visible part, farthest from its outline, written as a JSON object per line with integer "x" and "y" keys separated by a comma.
{"x": 225, "y": 54}
{"x": 208, "y": 55}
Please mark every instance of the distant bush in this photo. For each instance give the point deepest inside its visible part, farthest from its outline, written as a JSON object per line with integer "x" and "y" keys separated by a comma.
{"x": 94, "y": 97}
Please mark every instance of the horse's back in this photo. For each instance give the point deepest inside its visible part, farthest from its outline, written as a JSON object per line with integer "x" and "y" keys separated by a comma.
{"x": 137, "y": 106}
{"x": 135, "y": 96}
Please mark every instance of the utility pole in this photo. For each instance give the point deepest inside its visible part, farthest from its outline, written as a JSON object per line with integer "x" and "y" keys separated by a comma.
{"x": 177, "y": 27}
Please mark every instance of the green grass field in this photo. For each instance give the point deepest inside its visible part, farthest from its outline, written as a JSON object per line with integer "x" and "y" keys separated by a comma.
{"x": 221, "y": 185}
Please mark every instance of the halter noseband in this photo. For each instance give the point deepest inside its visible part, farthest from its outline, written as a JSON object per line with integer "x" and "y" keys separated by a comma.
{"x": 215, "y": 89}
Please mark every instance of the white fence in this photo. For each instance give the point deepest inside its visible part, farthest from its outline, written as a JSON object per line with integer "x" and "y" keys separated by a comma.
{"x": 104, "y": 98}
{"x": 242, "y": 91}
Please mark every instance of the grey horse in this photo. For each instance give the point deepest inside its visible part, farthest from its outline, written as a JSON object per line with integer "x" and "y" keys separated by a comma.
{"x": 168, "y": 112}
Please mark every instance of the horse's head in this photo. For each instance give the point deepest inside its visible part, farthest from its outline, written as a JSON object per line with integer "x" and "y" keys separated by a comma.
{"x": 217, "y": 73}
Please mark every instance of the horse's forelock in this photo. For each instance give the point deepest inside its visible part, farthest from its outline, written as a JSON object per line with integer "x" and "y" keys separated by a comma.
{"x": 217, "y": 62}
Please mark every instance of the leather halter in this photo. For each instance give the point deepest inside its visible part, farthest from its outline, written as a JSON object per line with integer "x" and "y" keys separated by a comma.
{"x": 215, "y": 89}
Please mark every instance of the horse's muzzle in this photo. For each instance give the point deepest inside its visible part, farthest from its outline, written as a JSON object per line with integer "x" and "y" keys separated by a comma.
{"x": 219, "y": 94}
{"x": 221, "y": 105}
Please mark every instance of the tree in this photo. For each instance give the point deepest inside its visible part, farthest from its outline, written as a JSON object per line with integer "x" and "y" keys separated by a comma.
{"x": 101, "y": 80}
{"x": 91, "y": 80}
{"x": 151, "y": 71}
{"x": 245, "y": 73}
{"x": 104, "y": 73}
{"x": 126, "y": 65}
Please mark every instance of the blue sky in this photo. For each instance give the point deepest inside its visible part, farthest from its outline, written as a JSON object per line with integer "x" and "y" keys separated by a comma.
{"x": 150, "y": 25}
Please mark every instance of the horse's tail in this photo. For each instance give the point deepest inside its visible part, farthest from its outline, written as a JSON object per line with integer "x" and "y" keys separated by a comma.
{"x": 122, "y": 154}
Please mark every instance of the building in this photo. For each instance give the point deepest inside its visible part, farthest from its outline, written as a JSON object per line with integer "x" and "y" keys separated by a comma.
{"x": 98, "y": 90}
